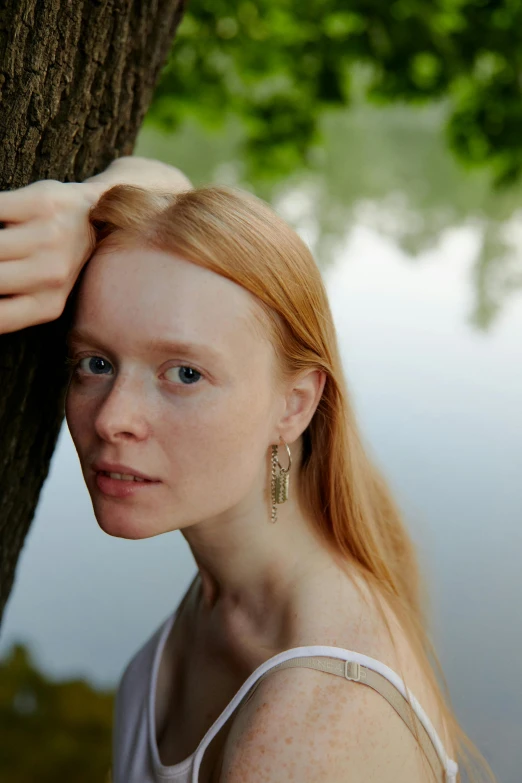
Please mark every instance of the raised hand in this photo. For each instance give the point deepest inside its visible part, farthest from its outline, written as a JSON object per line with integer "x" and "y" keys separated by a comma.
{"x": 47, "y": 237}
{"x": 45, "y": 241}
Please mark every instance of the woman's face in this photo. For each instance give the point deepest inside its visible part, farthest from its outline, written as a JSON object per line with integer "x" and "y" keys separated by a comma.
{"x": 174, "y": 381}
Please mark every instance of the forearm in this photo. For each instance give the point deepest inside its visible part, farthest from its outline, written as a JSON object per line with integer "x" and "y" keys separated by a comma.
{"x": 145, "y": 172}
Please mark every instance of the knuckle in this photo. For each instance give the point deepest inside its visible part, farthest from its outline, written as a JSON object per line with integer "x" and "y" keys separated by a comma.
{"x": 57, "y": 275}
{"x": 53, "y": 198}
{"x": 49, "y": 198}
{"x": 53, "y": 309}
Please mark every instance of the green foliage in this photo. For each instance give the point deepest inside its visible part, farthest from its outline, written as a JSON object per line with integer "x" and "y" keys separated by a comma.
{"x": 276, "y": 64}
{"x": 51, "y": 731}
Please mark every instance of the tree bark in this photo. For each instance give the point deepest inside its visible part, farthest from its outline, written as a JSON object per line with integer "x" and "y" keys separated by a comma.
{"x": 76, "y": 79}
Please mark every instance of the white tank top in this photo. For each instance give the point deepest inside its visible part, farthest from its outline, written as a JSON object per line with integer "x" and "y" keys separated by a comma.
{"x": 135, "y": 751}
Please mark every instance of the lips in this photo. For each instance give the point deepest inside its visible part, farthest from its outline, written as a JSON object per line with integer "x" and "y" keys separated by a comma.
{"x": 123, "y": 472}
{"x": 122, "y": 488}
{"x": 124, "y": 477}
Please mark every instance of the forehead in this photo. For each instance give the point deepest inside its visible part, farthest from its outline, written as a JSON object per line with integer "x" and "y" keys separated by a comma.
{"x": 139, "y": 294}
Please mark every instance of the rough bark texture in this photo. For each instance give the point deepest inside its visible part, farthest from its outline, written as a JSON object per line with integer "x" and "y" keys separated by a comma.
{"x": 76, "y": 79}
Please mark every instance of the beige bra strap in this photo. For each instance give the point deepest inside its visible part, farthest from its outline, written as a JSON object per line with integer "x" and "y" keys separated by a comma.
{"x": 359, "y": 673}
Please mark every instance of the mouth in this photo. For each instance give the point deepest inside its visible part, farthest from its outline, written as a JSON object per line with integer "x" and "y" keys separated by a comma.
{"x": 125, "y": 477}
{"x": 123, "y": 485}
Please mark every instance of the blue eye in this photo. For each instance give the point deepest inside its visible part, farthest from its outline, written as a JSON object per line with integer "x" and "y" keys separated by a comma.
{"x": 187, "y": 375}
{"x": 96, "y": 364}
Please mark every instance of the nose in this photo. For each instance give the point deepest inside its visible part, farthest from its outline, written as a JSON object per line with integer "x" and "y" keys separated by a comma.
{"x": 123, "y": 413}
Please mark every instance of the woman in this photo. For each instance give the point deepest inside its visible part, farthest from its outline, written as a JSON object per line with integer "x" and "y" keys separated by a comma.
{"x": 207, "y": 395}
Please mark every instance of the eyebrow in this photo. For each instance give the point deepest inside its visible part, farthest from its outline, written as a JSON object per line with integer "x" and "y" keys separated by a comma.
{"x": 158, "y": 345}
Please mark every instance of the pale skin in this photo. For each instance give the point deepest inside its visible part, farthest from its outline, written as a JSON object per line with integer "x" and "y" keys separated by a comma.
{"x": 201, "y": 421}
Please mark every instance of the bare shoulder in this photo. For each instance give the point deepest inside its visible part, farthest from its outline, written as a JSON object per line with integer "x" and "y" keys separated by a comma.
{"x": 309, "y": 726}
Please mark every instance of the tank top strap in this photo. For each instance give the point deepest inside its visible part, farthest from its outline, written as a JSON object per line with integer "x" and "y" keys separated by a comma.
{"x": 356, "y": 672}
{"x": 376, "y": 675}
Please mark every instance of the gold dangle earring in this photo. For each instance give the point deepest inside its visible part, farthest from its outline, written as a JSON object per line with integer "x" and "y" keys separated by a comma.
{"x": 279, "y": 480}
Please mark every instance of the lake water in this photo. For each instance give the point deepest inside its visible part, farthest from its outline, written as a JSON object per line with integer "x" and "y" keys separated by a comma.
{"x": 439, "y": 403}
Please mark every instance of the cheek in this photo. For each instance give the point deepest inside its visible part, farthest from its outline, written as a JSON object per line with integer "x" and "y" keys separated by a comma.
{"x": 77, "y": 415}
{"x": 220, "y": 453}
{"x": 243, "y": 421}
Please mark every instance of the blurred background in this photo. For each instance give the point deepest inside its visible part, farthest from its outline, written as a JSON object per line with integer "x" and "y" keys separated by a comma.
{"x": 400, "y": 167}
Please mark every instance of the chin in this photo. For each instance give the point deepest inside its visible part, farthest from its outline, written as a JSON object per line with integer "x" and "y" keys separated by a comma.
{"x": 124, "y": 526}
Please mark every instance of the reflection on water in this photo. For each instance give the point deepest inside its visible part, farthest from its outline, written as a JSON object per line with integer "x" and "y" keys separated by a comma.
{"x": 394, "y": 158}
{"x": 439, "y": 404}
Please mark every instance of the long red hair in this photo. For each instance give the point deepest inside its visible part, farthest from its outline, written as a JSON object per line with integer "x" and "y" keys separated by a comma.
{"x": 240, "y": 237}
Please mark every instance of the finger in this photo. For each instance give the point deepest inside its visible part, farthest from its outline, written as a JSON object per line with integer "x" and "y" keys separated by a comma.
{"x": 19, "y": 205}
{"x": 31, "y": 276}
{"x": 17, "y": 241}
{"x": 19, "y": 312}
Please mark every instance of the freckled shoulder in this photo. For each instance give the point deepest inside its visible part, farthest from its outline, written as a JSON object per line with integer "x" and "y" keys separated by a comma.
{"x": 308, "y": 726}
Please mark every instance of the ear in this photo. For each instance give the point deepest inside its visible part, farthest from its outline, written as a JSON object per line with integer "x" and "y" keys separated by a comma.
{"x": 302, "y": 398}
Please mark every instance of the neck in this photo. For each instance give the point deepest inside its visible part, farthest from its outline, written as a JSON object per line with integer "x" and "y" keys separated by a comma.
{"x": 253, "y": 572}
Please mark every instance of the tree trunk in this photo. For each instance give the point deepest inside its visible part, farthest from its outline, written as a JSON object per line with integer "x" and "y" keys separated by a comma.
{"x": 76, "y": 79}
